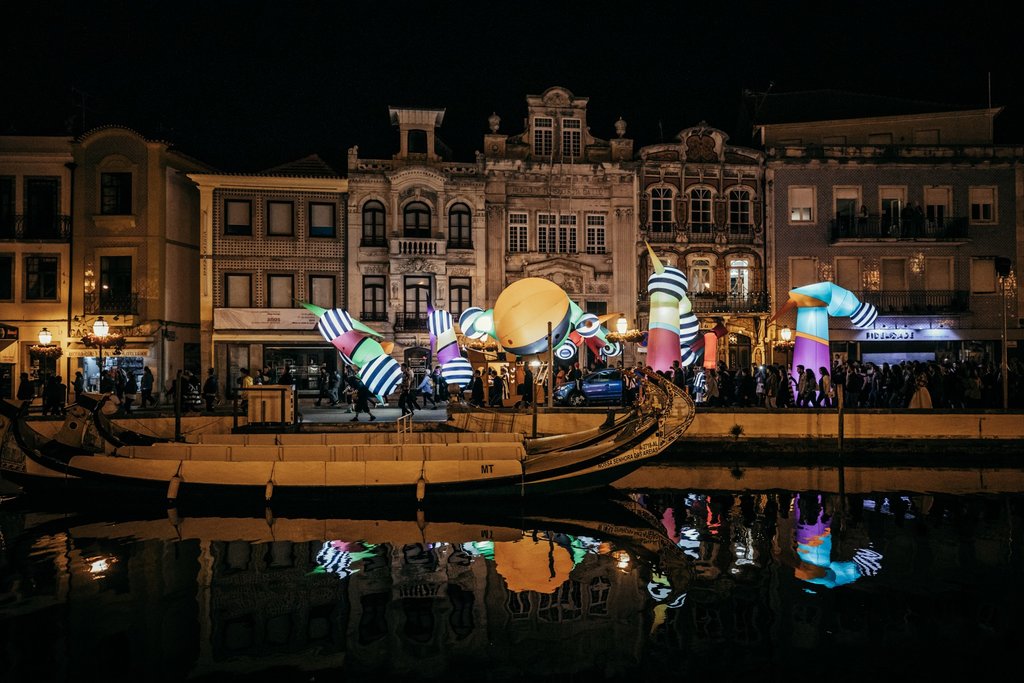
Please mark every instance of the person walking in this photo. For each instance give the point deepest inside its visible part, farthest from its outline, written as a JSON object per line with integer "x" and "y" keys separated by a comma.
{"x": 362, "y": 398}
{"x": 405, "y": 400}
{"x": 824, "y": 397}
{"x": 497, "y": 390}
{"x": 427, "y": 390}
{"x": 476, "y": 390}
{"x": 323, "y": 386}
{"x": 148, "y": 381}
{"x": 26, "y": 390}
{"x": 210, "y": 390}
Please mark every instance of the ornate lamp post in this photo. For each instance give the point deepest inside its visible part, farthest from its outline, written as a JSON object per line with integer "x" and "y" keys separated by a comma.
{"x": 786, "y": 335}
{"x": 45, "y": 337}
{"x": 100, "y": 330}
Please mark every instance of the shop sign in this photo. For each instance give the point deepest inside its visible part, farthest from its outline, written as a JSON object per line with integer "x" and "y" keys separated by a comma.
{"x": 889, "y": 335}
{"x": 264, "y": 319}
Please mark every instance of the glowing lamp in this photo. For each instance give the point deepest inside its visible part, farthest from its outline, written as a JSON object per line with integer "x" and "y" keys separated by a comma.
{"x": 786, "y": 334}
{"x": 621, "y": 325}
{"x": 45, "y": 337}
{"x": 101, "y": 327}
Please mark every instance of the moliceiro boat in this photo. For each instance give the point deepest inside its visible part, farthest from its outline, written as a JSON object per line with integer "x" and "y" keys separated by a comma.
{"x": 322, "y": 466}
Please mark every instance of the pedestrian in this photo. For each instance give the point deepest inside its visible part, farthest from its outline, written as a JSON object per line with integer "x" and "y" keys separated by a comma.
{"x": 78, "y": 385}
{"x": 26, "y": 388}
{"x": 333, "y": 386}
{"x": 148, "y": 381}
{"x": 131, "y": 388}
{"x": 362, "y": 393}
{"x": 427, "y": 390}
{"x": 210, "y": 390}
{"x": 824, "y": 398}
{"x": 54, "y": 395}
{"x": 245, "y": 381}
{"x": 107, "y": 385}
{"x": 476, "y": 390}
{"x": 528, "y": 385}
{"x": 323, "y": 386}
{"x": 405, "y": 388}
{"x": 495, "y": 399}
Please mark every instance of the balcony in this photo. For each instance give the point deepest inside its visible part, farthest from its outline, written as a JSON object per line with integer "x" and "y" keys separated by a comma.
{"x": 410, "y": 322}
{"x": 460, "y": 244}
{"x": 373, "y": 242}
{"x": 920, "y": 302}
{"x": 718, "y": 302}
{"x": 740, "y": 234}
{"x": 661, "y": 233}
{"x": 25, "y": 227}
{"x": 111, "y": 304}
{"x": 700, "y": 233}
{"x": 373, "y": 316}
{"x": 418, "y": 246}
{"x": 886, "y": 228}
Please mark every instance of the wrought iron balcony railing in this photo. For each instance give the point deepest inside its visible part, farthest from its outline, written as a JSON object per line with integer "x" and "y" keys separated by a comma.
{"x": 718, "y": 302}
{"x": 918, "y": 302}
{"x": 374, "y": 316}
{"x": 882, "y": 227}
{"x": 27, "y": 227}
{"x": 408, "y": 322}
{"x": 373, "y": 241}
{"x": 99, "y": 303}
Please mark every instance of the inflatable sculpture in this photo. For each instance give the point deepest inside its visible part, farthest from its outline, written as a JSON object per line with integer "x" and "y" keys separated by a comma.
{"x": 454, "y": 368}
{"x": 667, "y": 288}
{"x": 355, "y": 342}
{"x": 814, "y": 304}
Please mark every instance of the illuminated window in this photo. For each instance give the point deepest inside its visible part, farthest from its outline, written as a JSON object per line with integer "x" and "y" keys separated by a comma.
{"x": 572, "y": 137}
{"x": 700, "y": 278}
{"x": 115, "y": 284}
{"x": 739, "y": 277}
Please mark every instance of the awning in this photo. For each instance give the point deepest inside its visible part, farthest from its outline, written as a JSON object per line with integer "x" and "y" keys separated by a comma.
{"x": 8, "y": 335}
{"x": 80, "y": 350}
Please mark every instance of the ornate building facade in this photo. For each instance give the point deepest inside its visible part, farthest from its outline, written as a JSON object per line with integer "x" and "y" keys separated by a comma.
{"x": 702, "y": 210}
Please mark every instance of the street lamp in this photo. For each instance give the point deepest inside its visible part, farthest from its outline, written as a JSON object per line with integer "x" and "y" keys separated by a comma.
{"x": 100, "y": 330}
{"x": 45, "y": 337}
{"x": 786, "y": 335}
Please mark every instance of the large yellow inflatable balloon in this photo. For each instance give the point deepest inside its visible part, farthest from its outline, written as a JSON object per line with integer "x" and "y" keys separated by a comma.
{"x": 523, "y": 311}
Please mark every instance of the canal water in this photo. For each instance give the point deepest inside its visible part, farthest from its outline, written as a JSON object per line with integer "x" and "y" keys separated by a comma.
{"x": 760, "y": 581}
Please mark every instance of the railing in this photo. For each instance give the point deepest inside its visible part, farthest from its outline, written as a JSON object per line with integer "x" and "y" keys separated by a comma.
{"x": 717, "y": 302}
{"x": 119, "y": 304}
{"x": 26, "y": 227}
{"x": 373, "y": 242}
{"x": 740, "y": 234}
{"x": 917, "y": 302}
{"x": 410, "y": 323}
{"x": 661, "y": 236}
{"x": 883, "y": 227}
{"x": 417, "y": 246}
{"x": 374, "y": 316}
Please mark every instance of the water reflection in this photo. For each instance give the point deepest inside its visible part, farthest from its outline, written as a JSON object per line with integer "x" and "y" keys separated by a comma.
{"x": 769, "y": 583}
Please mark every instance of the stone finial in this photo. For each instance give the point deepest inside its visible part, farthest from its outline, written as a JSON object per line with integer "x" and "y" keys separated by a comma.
{"x": 494, "y": 121}
{"x": 620, "y": 127}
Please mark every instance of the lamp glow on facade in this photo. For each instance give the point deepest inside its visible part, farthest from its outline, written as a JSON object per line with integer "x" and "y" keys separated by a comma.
{"x": 101, "y": 327}
{"x": 786, "y": 334}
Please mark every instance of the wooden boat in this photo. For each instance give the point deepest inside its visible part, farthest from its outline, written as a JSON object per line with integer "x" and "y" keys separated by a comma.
{"x": 322, "y": 466}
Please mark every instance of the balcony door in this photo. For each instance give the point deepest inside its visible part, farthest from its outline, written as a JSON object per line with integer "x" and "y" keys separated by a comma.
{"x": 417, "y": 298}
{"x": 42, "y": 198}
{"x": 115, "y": 284}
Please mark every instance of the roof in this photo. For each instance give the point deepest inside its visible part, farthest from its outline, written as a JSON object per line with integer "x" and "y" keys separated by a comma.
{"x": 312, "y": 166}
{"x": 836, "y": 105}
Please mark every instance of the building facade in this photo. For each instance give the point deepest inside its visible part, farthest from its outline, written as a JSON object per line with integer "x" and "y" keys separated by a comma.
{"x": 269, "y": 242}
{"x": 36, "y": 181}
{"x": 702, "y": 210}
{"x": 918, "y": 214}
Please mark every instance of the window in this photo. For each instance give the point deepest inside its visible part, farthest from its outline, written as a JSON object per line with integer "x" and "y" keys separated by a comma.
{"x": 700, "y": 276}
{"x": 894, "y": 274}
{"x": 321, "y": 291}
{"x": 417, "y": 220}
{"x": 6, "y": 277}
{"x": 6, "y": 206}
{"x": 572, "y": 137}
{"x": 847, "y": 205}
{"x": 546, "y": 233}
{"x": 460, "y": 290}
{"x": 938, "y": 274}
{"x": 280, "y": 218}
{"x": 543, "y": 136}
{"x": 598, "y": 308}
{"x": 417, "y": 141}
{"x": 936, "y": 205}
{"x": 321, "y": 219}
{"x": 700, "y": 210}
{"x": 595, "y": 234}
{"x": 803, "y": 270}
{"x": 801, "y": 204}
{"x": 892, "y": 200}
{"x": 517, "y": 232}
{"x": 42, "y": 199}
{"x": 740, "y": 215}
{"x": 848, "y": 273}
{"x": 983, "y": 276}
{"x": 116, "y": 284}
{"x": 739, "y": 278}
{"x": 115, "y": 194}
{"x": 417, "y": 296}
{"x": 661, "y": 209}
{"x": 373, "y": 298}
{"x": 983, "y": 202}
{"x": 280, "y": 291}
{"x": 567, "y": 234}
{"x": 237, "y": 217}
{"x": 460, "y": 227}
{"x": 237, "y": 291}
{"x": 41, "y": 278}
{"x": 373, "y": 224}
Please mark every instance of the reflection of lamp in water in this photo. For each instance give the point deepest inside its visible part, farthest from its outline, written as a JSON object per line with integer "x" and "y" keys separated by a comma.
{"x": 622, "y": 560}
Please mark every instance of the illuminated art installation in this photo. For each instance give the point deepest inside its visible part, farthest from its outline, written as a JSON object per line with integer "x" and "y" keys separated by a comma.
{"x": 454, "y": 368}
{"x": 586, "y": 328}
{"x": 667, "y": 288}
{"x": 815, "y": 303}
{"x": 355, "y": 342}
{"x": 523, "y": 311}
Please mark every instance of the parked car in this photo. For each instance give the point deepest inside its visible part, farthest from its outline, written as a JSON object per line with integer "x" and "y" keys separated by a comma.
{"x": 602, "y": 386}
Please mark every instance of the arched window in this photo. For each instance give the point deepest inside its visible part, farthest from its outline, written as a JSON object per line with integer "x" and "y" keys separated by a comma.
{"x": 701, "y": 277}
{"x": 740, "y": 214}
{"x": 460, "y": 235}
{"x": 739, "y": 278}
{"x": 416, "y": 220}
{"x": 701, "y": 210}
{"x": 373, "y": 224}
{"x": 661, "y": 210}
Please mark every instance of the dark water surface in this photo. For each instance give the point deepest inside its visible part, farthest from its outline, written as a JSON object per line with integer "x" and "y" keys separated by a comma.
{"x": 763, "y": 583}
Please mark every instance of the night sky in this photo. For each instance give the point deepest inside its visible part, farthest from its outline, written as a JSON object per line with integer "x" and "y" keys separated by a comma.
{"x": 245, "y": 86}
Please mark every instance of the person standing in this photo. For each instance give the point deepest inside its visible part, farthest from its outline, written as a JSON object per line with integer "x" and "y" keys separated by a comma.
{"x": 323, "y": 386}
{"x": 26, "y": 390}
{"x": 476, "y": 390}
{"x": 131, "y": 388}
{"x": 405, "y": 400}
{"x": 362, "y": 398}
{"x": 528, "y": 385}
{"x": 78, "y": 385}
{"x": 494, "y": 399}
{"x": 245, "y": 381}
{"x": 147, "y": 387}
{"x": 210, "y": 390}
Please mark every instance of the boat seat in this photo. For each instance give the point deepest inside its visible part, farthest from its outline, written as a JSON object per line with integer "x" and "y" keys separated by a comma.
{"x": 256, "y": 453}
{"x": 301, "y": 439}
{"x": 209, "y": 452}
{"x": 307, "y": 453}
